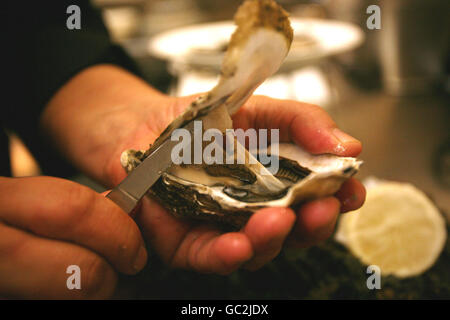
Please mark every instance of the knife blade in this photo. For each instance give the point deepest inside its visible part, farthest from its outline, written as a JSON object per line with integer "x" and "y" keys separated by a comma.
{"x": 131, "y": 190}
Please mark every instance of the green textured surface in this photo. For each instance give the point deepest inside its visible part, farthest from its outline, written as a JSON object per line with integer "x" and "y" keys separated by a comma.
{"x": 327, "y": 271}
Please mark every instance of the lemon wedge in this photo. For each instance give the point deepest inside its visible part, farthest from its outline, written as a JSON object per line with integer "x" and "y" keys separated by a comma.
{"x": 398, "y": 229}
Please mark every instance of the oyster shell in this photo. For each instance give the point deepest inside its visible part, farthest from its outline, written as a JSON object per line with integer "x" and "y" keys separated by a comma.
{"x": 231, "y": 193}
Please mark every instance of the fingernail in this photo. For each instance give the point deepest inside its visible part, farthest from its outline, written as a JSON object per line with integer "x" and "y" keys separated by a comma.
{"x": 141, "y": 259}
{"x": 343, "y": 137}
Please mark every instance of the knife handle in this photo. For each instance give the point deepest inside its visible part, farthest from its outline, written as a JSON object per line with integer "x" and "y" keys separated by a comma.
{"x": 123, "y": 199}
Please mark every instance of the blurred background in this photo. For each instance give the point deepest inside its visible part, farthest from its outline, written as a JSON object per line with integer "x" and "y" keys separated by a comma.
{"x": 389, "y": 87}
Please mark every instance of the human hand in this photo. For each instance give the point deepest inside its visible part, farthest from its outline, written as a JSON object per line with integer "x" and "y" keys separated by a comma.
{"x": 48, "y": 224}
{"x": 128, "y": 114}
{"x": 202, "y": 247}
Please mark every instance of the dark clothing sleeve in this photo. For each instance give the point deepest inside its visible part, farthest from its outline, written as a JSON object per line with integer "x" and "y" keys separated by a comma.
{"x": 45, "y": 54}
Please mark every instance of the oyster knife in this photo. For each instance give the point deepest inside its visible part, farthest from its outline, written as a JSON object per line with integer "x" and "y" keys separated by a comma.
{"x": 131, "y": 190}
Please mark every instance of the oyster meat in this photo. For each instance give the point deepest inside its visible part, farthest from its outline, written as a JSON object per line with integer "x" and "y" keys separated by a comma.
{"x": 230, "y": 193}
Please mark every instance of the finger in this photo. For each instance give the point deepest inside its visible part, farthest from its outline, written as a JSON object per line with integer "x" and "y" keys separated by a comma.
{"x": 36, "y": 268}
{"x": 188, "y": 246}
{"x": 315, "y": 222}
{"x": 64, "y": 210}
{"x": 160, "y": 228}
{"x": 267, "y": 229}
{"x": 133, "y": 212}
{"x": 206, "y": 250}
{"x": 305, "y": 124}
{"x": 352, "y": 195}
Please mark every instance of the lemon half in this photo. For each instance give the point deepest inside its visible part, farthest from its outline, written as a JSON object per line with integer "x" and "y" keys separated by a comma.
{"x": 398, "y": 229}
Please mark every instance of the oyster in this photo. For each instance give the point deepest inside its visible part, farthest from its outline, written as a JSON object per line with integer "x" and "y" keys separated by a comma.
{"x": 230, "y": 193}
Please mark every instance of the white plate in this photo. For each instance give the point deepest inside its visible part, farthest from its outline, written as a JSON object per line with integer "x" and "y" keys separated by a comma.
{"x": 200, "y": 44}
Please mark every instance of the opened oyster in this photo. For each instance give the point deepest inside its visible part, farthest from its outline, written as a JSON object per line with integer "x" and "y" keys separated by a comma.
{"x": 230, "y": 193}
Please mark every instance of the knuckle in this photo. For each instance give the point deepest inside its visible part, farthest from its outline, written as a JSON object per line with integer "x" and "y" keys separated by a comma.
{"x": 80, "y": 202}
{"x": 65, "y": 211}
{"x": 98, "y": 278}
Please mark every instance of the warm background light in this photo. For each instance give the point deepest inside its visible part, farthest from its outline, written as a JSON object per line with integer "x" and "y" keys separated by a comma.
{"x": 23, "y": 163}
